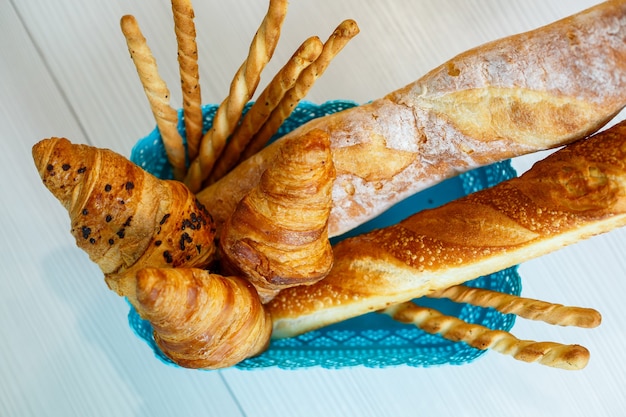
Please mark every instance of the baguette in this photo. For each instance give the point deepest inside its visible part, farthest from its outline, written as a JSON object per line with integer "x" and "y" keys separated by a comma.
{"x": 502, "y": 99}
{"x": 575, "y": 193}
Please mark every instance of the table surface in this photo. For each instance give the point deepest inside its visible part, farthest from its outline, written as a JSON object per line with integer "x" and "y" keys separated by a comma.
{"x": 65, "y": 346}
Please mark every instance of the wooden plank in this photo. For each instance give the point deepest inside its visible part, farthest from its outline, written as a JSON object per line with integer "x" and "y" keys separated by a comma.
{"x": 66, "y": 347}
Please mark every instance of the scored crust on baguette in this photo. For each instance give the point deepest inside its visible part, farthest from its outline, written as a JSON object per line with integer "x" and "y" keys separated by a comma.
{"x": 556, "y": 355}
{"x": 573, "y": 194}
{"x": 499, "y": 100}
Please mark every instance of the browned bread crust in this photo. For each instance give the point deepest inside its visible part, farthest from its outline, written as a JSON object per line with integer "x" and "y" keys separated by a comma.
{"x": 277, "y": 236}
{"x": 573, "y": 194}
{"x": 202, "y": 320}
{"x": 499, "y": 100}
{"x": 124, "y": 218}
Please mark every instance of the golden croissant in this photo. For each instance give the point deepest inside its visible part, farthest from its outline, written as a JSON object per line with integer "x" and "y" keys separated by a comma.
{"x": 122, "y": 216}
{"x": 573, "y": 194}
{"x": 277, "y": 237}
{"x": 202, "y": 320}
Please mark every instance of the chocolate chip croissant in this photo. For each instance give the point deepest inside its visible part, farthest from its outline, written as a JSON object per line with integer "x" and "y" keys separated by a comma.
{"x": 123, "y": 217}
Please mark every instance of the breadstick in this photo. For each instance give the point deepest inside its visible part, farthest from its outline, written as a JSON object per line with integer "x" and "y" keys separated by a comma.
{"x": 527, "y": 308}
{"x": 347, "y": 30}
{"x": 157, "y": 93}
{"x": 480, "y": 107}
{"x": 263, "y": 106}
{"x": 185, "y": 29}
{"x": 242, "y": 89}
{"x": 556, "y": 355}
{"x": 573, "y": 194}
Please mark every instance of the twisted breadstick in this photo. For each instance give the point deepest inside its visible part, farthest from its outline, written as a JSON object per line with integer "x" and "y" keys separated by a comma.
{"x": 550, "y": 313}
{"x": 185, "y": 29}
{"x": 477, "y": 108}
{"x": 241, "y": 90}
{"x": 267, "y": 101}
{"x": 556, "y": 355}
{"x": 157, "y": 93}
{"x": 347, "y": 30}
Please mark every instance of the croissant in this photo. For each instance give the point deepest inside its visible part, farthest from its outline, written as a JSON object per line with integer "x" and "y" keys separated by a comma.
{"x": 278, "y": 236}
{"x": 123, "y": 217}
{"x": 202, "y": 320}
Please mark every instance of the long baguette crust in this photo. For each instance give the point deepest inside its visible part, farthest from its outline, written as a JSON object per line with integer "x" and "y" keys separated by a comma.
{"x": 575, "y": 193}
{"x": 517, "y": 95}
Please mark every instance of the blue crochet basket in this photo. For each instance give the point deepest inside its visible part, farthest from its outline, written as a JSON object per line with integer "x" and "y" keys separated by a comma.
{"x": 372, "y": 340}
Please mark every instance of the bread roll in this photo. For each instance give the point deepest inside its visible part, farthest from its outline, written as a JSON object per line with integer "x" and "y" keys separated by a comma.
{"x": 575, "y": 193}
{"x": 502, "y": 99}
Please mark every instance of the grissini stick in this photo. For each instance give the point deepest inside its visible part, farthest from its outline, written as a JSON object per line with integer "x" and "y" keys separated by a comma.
{"x": 573, "y": 194}
{"x": 340, "y": 37}
{"x": 502, "y": 99}
{"x": 262, "y": 108}
{"x": 242, "y": 88}
{"x": 556, "y": 355}
{"x": 185, "y": 29}
{"x": 527, "y": 308}
{"x": 157, "y": 93}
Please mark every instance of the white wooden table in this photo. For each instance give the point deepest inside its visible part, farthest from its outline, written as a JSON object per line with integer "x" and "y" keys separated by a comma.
{"x": 65, "y": 346}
